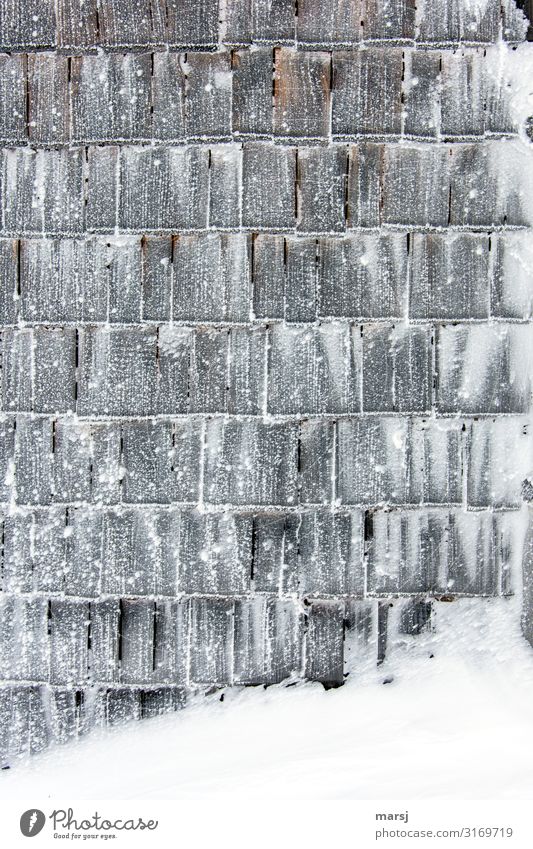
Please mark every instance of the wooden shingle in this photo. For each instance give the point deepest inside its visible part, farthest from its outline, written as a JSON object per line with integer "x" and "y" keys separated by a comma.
{"x": 367, "y": 92}
{"x": 13, "y": 118}
{"x": 301, "y": 93}
{"x": 252, "y": 110}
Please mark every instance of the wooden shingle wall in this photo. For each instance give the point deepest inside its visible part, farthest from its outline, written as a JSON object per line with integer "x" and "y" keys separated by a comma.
{"x": 265, "y": 342}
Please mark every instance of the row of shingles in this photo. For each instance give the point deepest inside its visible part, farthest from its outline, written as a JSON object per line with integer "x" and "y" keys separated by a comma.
{"x": 33, "y": 717}
{"x": 243, "y": 279}
{"x": 377, "y": 461}
{"x": 432, "y": 474}
{"x": 363, "y": 462}
{"x": 50, "y": 100}
{"x": 437, "y": 550}
{"x": 74, "y": 25}
{"x": 331, "y": 634}
{"x": 312, "y": 554}
{"x": 87, "y": 25}
{"x": 335, "y": 369}
{"x": 126, "y": 650}
{"x": 263, "y": 186}
{"x": 251, "y": 640}
{"x": 197, "y": 642}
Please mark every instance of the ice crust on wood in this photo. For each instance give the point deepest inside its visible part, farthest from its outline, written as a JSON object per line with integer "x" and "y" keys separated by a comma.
{"x": 266, "y": 301}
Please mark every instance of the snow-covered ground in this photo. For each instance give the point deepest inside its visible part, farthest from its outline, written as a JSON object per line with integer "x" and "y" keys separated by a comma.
{"x": 457, "y": 725}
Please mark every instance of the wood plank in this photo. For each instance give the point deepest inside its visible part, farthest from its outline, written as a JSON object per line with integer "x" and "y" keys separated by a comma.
{"x": 365, "y": 169}
{"x": 284, "y": 635}
{"x": 72, "y": 466}
{"x": 209, "y": 96}
{"x": 27, "y": 24}
{"x": 275, "y": 553}
{"x": 421, "y": 89}
{"x": 250, "y": 641}
{"x": 48, "y": 99}
{"x": 268, "y": 275}
{"x": 247, "y": 355}
{"x": 512, "y": 282}
{"x": 192, "y": 24}
{"x": 43, "y": 192}
{"x": 321, "y": 187}
{"x": 367, "y": 92}
{"x": 225, "y": 186}
{"x": 63, "y": 280}
{"x": 372, "y": 461}
{"x": 248, "y": 462}
{"x": 24, "y": 653}
{"x": 269, "y": 174}
{"x": 34, "y": 552}
{"x": 111, "y": 97}
{"x": 214, "y": 553}
{"x": 435, "y": 462}
{"x": 136, "y": 646}
{"x": 69, "y": 622}
{"x": 450, "y": 276}
{"x": 394, "y": 20}
{"x": 312, "y": 370}
{"x": 325, "y": 643}
{"x": 103, "y": 167}
{"x": 156, "y": 277}
{"x": 107, "y": 472}
{"x": 208, "y": 370}
{"x": 163, "y": 189}
{"x": 416, "y": 185}
{"x": 211, "y": 640}
{"x": 122, "y": 705}
{"x": 103, "y": 655}
{"x": 118, "y": 371}
{"x": 483, "y": 368}
{"x": 33, "y": 460}
{"x": 300, "y": 283}
{"x": 173, "y": 352}
{"x": 7, "y": 456}
{"x": 168, "y": 96}
{"x": 9, "y": 279}
{"x": 498, "y": 451}
{"x": 160, "y": 461}
{"x": 462, "y": 82}
{"x": 13, "y": 118}
{"x": 396, "y": 368}
{"x": 301, "y": 94}
{"x": 77, "y": 24}
{"x": 23, "y": 722}
{"x": 54, "y": 370}
{"x": 252, "y": 111}
{"x": 17, "y": 369}
{"x": 329, "y": 24}
{"x": 363, "y": 276}
{"x": 258, "y": 21}
{"x": 167, "y": 647}
{"x": 317, "y": 461}
{"x": 130, "y": 23}
{"x": 211, "y": 277}
{"x": 123, "y": 261}
{"x": 331, "y": 554}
